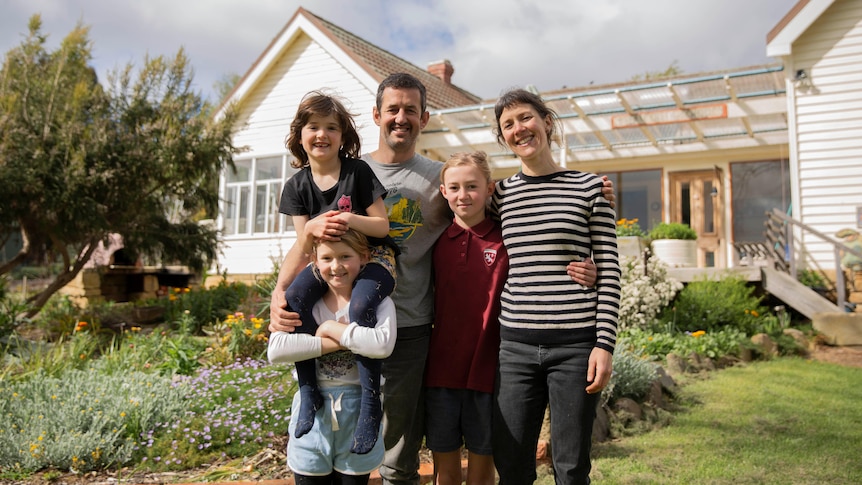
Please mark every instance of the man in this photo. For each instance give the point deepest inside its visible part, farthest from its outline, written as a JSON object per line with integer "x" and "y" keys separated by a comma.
{"x": 418, "y": 214}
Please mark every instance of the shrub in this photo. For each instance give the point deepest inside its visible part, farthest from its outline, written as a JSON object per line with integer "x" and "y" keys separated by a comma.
{"x": 82, "y": 420}
{"x": 237, "y": 337}
{"x": 633, "y": 376}
{"x": 672, "y": 230}
{"x": 204, "y": 306}
{"x": 811, "y": 278}
{"x": 658, "y": 344}
{"x": 646, "y": 289}
{"x": 711, "y": 305}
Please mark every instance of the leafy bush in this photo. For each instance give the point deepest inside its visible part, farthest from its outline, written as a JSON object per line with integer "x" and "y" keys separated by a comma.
{"x": 658, "y": 344}
{"x": 711, "y": 305}
{"x": 672, "y": 230}
{"x": 646, "y": 289}
{"x": 83, "y": 419}
{"x": 237, "y": 337}
{"x": 204, "y": 306}
{"x": 11, "y": 313}
{"x": 633, "y": 376}
{"x": 811, "y": 278}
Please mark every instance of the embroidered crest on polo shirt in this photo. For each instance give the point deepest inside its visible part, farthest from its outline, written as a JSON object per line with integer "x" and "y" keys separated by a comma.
{"x": 489, "y": 255}
{"x": 344, "y": 204}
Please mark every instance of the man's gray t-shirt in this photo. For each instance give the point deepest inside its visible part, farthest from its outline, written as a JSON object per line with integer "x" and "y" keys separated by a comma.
{"x": 418, "y": 214}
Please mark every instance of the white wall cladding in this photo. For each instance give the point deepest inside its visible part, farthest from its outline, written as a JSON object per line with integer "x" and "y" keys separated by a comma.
{"x": 265, "y": 121}
{"x": 829, "y": 123}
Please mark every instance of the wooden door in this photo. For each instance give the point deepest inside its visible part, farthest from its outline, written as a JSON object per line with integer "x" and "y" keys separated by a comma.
{"x": 696, "y": 200}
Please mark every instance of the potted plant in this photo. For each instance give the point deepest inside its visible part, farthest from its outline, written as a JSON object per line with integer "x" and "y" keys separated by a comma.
{"x": 675, "y": 243}
{"x": 631, "y": 239}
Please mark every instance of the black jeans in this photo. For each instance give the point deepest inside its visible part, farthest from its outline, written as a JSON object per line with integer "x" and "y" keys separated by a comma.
{"x": 529, "y": 378}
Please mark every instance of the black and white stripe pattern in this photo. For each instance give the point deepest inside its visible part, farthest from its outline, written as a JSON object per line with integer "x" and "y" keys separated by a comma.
{"x": 547, "y": 222}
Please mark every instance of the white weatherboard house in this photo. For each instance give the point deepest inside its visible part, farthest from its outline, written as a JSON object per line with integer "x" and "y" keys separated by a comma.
{"x": 308, "y": 54}
{"x": 715, "y": 150}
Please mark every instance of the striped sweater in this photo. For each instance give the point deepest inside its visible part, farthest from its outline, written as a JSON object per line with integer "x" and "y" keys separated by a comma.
{"x": 547, "y": 222}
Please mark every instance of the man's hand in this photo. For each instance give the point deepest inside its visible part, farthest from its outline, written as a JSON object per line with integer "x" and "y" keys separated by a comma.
{"x": 608, "y": 191}
{"x": 280, "y": 318}
{"x": 583, "y": 272}
{"x": 599, "y": 371}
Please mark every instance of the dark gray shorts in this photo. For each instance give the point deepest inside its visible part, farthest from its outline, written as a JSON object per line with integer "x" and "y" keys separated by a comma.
{"x": 458, "y": 416}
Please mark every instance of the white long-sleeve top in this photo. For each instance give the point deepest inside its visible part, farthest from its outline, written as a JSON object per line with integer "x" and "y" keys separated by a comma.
{"x": 338, "y": 368}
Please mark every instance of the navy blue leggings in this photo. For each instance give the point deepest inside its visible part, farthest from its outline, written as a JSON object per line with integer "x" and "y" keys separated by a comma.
{"x": 372, "y": 285}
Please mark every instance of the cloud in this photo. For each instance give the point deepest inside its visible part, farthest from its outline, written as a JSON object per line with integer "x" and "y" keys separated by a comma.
{"x": 493, "y": 45}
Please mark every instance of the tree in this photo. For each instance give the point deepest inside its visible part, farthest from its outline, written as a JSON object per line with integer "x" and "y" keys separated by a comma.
{"x": 79, "y": 161}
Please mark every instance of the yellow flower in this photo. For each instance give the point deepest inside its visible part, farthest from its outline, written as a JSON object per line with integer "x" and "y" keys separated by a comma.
{"x": 247, "y": 332}
{"x": 754, "y": 312}
{"x": 172, "y": 298}
{"x": 186, "y": 289}
{"x": 697, "y": 334}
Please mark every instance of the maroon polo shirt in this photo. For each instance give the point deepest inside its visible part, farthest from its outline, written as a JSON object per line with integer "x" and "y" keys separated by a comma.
{"x": 470, "y": 269}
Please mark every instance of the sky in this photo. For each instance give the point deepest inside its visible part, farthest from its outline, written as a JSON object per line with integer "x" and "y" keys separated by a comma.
{"x": 493, "y": 46}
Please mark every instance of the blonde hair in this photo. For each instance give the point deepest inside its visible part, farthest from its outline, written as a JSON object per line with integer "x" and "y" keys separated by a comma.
{"x": 354, "y": 239}
{"x": 478, "y": 159}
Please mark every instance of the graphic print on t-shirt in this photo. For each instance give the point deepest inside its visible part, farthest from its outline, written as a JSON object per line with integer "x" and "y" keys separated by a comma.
{"x": 405, "y": 215}
{"x": 345, "y": 204}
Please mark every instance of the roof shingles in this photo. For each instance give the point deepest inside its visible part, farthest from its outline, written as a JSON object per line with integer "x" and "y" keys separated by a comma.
{"x": 381, "y": 63}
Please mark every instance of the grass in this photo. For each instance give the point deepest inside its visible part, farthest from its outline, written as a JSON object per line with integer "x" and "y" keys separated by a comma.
{"x": 785, "y": 421}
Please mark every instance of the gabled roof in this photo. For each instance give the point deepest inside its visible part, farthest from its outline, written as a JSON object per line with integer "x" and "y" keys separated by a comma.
{"x": 779, "y": 41}
{"x": 381, "y": 63}
{"x": 376, "y": 63}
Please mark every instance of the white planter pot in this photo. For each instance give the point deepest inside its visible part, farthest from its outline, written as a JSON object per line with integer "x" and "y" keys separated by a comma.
{"x": 630, "y": 246}
{"x": 676, "y": 253}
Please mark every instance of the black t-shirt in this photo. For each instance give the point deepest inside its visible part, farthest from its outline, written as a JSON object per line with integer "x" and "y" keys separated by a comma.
{"x": 356, "y": 190}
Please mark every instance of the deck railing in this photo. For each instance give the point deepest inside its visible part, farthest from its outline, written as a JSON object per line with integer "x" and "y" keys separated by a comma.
{"x": 784, "y": 235}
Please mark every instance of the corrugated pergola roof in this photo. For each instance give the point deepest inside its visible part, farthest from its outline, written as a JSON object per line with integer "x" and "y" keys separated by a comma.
{"x": 716, "y": 111}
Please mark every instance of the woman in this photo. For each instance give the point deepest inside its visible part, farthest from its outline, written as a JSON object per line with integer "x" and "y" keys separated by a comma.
{"x": 557, "y": 336}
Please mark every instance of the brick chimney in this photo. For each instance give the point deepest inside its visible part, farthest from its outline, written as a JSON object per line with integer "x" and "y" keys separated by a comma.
{"x": 442, "y": 69}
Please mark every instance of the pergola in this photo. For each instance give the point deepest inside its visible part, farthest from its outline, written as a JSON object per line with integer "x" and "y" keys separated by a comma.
{"x": 725, "y": 110}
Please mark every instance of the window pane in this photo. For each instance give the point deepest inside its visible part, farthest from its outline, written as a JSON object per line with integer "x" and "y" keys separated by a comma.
{"x": 230, "y": 207}
{"x": 279, "y": 222}
{"x": 243, "y": 171}
{"x": 708, "y": 208}
{"x": 268, "y": 168}
{"x": 260, "y": 209}
{"x": 243, "y": 210}
{"x": 639, "y": 197}
{"x": 685, "y": 202}
{"x": 757, "y": 187}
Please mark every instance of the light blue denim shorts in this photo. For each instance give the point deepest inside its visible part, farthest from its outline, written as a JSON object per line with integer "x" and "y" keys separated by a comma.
{"x": 327, "y": 446}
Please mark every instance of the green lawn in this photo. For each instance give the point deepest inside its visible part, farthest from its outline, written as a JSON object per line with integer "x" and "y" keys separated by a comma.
{"x": 786, "y": 421}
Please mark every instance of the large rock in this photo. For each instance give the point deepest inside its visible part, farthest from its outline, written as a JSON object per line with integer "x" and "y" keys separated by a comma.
{"x": 839, "y": 328}
{"x": 764, "y": 345}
